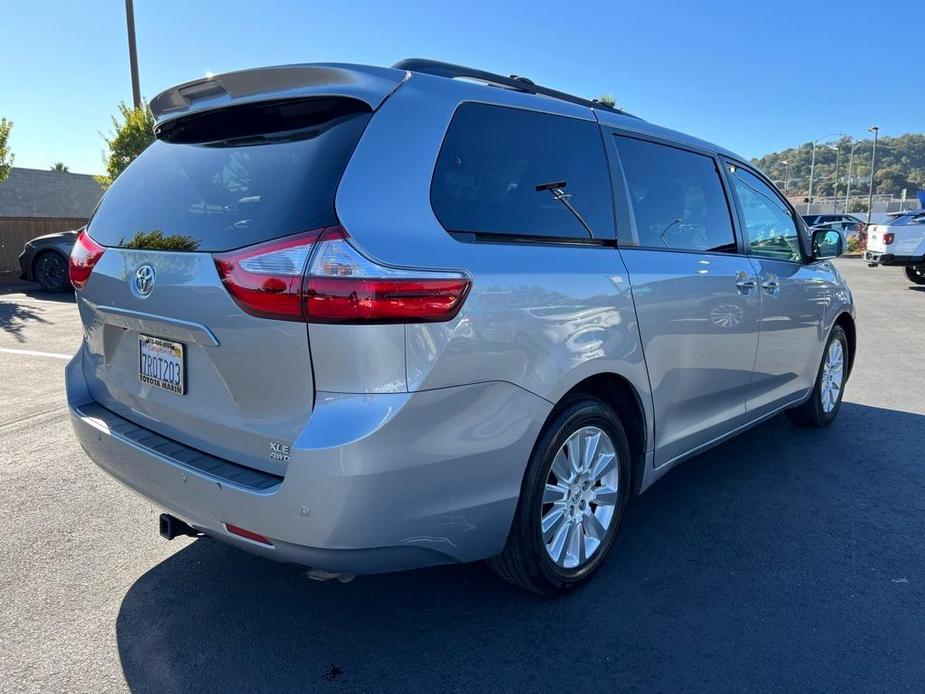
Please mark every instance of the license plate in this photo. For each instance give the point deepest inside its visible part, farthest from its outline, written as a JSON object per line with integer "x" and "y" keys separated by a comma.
{"x": 161, "y": 364}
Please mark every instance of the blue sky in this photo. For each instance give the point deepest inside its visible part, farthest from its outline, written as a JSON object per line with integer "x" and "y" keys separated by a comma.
{"x": 753, "y": 76}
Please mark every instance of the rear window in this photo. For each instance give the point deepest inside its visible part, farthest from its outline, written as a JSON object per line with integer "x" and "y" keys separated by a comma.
{"x": 521, "y": 173}
{"x": 233, "y": 178}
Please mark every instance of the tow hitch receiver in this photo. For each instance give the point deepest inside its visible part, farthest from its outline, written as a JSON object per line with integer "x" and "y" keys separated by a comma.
{"x": 171, "y": 527}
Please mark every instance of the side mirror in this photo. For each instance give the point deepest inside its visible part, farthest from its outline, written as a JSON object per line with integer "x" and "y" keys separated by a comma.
{"x": 827, "y": 243}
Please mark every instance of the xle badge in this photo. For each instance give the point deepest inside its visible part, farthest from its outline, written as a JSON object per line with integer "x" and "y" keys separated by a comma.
{"x": 279, "y": 452}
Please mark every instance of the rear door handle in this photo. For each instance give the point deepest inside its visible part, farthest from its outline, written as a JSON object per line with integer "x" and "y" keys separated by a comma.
{"x": 745, "y": 282}
{"x": 770, "y": 284}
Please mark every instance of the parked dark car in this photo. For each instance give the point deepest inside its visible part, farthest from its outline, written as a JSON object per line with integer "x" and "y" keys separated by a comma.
{"x": 44, "y": 260}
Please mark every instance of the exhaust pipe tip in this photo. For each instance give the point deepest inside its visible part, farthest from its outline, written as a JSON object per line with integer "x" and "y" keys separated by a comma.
{"x": 171, "y": 527}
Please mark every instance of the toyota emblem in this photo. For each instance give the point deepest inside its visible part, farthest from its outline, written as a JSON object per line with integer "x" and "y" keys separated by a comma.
{"x": 144, "y": 280}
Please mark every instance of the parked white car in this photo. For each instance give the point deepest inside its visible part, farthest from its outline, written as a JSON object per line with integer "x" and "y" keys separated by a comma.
{"x": 901, "y": 241}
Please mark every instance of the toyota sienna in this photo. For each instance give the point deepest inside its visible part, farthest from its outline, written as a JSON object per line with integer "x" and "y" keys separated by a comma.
{"x": 369, "y": 319}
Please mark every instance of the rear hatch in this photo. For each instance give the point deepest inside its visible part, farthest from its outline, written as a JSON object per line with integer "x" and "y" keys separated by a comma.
{"x": 167, "y": 346}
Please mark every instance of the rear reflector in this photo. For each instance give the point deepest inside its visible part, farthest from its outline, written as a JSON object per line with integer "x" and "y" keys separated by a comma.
{"x": 341, "y": 285}
{"x": 85, "y": 254}
{"x": 248, "y": 534}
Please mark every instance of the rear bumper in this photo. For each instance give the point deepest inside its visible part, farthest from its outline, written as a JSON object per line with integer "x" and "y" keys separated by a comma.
{"x": 877, "y": 258}
{"x": 375, "y": 483}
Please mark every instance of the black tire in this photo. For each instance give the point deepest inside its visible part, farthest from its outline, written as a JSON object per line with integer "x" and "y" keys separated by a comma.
{"x": 50, "y": 271}
{"x": 812, "y": 413}
{"x": 525, "y": 561}
{"x": 916, "y": 273}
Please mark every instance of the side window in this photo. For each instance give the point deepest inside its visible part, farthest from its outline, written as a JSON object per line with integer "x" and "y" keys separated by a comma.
{"x": 770, "y": 229}
{"x": 677, "y": 197}
{"x": 510, "y": 171}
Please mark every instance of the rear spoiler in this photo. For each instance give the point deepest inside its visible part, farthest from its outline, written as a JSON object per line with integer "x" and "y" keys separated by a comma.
{"x": 368, "y": 84}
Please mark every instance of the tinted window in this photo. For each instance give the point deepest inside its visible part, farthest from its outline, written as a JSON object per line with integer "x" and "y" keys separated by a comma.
{"x": 496, "y": 167}
{"x": 770, "y": 229}
{"x": 249, "y": 187}
{"x": 677, "y": 197}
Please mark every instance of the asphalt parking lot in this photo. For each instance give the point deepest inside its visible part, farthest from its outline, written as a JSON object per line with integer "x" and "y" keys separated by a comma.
{"x": 784, "y": 560}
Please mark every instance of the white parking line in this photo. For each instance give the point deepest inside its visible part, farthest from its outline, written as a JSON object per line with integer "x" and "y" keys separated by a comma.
{"x": 33, "y": 353}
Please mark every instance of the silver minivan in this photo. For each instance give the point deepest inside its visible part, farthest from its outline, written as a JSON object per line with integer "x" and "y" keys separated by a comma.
{"x": 369, "y": 319}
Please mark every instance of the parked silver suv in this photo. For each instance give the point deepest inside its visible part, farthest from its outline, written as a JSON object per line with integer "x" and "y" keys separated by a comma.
{"x": 369, "y": 319}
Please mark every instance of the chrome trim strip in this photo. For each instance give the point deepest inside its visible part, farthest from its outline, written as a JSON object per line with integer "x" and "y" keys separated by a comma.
{"x": 149, "y": 322}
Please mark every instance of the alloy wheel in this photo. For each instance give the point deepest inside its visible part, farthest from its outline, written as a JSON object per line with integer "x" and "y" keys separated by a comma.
{"x": 580, "y": 497}
{"x": 51, "y": 272}
{"x": 832, "y": 374}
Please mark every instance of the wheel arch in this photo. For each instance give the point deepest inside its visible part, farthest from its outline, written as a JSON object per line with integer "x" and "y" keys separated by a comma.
{"x": 620, "y": 394}
{"x": 846, "y": 323}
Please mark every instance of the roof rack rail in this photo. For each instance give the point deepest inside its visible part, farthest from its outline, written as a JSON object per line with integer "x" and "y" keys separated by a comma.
{"x": 441, "y": 69}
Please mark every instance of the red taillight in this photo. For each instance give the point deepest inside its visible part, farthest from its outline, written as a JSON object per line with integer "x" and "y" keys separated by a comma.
{"x": 340, "y": 286}
{"x": 346, "y": 287}
{"x": 85, "y": 254}
{"x": 248, "y": 534}
{"x": 888, "y": 237}
{"x": 266, "y": 279}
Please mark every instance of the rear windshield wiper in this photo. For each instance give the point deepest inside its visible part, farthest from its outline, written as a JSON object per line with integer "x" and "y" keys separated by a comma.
{"x": 557, "y": 188}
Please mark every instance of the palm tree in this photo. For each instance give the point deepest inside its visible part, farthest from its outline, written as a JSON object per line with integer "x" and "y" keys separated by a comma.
{"x": 59, "y": 166}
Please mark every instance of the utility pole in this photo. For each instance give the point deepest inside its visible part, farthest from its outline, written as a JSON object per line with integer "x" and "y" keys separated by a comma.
{"x": 835, "y": 182}
{"x": 132, "y": 53}
{"x": 812, "y": 166}
{"x": 850, "y": 164}
{"x": 812, "y": 171}
{"x": 873, "y": 163}
{"x": 786, "y": 164}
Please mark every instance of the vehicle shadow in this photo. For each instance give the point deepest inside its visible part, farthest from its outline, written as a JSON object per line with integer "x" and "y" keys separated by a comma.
{"x": 786, "y": 559}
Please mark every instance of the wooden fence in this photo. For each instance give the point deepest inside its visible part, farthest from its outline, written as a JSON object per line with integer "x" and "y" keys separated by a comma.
{"x": 15, "y": 231}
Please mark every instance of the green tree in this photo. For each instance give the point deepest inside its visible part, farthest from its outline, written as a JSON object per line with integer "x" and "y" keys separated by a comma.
{"x": 917, "y": 178}
{"x": 607, "y": 100}
{"x": 60, "y": 167}
{"x": 6, "y": 156}
{"x": 890, "y": 179}
{"x": 132, "y": 135}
